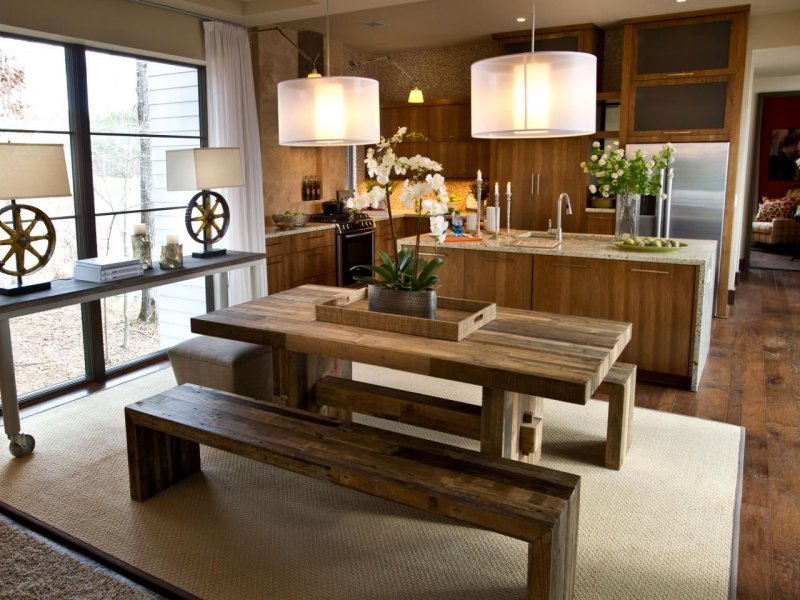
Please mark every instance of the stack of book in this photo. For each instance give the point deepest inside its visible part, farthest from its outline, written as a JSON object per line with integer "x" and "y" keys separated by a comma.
{"x": 107, "y": 268}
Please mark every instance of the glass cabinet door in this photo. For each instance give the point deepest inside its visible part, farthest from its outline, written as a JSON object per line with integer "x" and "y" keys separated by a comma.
{"x": 683, "y": 49}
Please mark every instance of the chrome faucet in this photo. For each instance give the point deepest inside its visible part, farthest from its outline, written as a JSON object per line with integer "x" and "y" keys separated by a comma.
{"x": 561, "y": 196}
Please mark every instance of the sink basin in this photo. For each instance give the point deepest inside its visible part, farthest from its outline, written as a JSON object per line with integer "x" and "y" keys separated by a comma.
{"x": 533, "y": 234}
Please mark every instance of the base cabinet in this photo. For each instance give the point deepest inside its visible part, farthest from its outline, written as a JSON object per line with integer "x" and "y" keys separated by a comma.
{"x": 500, "y": 277}
{"x": 301, "y": 258}
{"x": 451, "y": 273}
{"x": 658, "y": 299}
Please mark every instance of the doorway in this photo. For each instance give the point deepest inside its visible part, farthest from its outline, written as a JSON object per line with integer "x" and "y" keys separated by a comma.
{"x": 773, "y": 238}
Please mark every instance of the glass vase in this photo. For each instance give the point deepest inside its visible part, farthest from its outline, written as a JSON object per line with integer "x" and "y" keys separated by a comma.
{"x": 627, "y": 216}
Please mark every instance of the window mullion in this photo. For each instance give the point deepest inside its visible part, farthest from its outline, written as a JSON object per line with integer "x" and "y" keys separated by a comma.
{"x": 86, "y": 232}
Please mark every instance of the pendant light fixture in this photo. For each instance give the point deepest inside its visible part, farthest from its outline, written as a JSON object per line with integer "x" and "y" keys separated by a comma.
{"x": 328, "y": 111}
{"x": 534, "y": 94}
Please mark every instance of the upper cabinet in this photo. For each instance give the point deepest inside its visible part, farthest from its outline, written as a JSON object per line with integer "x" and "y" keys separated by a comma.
{"x": 682, "y": 77}
{"x": 571, "y": 38}
{"x": 446, "y": 126}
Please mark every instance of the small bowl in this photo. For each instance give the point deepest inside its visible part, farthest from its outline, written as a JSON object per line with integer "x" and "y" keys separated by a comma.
{"x": 283, "y": 221}
{"x": 299, "y": 220}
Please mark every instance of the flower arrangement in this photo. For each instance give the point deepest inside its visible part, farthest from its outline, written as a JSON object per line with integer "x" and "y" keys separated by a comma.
{"x": 617, "y": 175}
{"x": 425, "y": 193}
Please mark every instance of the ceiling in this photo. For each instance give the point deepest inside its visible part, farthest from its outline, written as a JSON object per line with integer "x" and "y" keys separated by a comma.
{"x": 398, "y": 25}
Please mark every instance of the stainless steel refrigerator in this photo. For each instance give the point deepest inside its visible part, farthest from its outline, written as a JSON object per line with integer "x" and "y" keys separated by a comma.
{"x": 695, "y": 203}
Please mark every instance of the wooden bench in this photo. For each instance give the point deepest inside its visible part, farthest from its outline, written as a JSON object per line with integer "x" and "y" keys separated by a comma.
{"x": 466, "y": 420}
{"x": 527, "y": 502}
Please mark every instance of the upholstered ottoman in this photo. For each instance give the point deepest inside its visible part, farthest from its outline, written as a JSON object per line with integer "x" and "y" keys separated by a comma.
{"x": 235, "y": 367}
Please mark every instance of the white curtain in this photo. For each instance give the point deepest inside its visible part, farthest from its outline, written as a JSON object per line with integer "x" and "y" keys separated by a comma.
{"x": 232, "y": 122}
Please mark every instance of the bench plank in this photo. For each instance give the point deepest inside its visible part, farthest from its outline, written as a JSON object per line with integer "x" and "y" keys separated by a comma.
{"x": 527, "y": 502}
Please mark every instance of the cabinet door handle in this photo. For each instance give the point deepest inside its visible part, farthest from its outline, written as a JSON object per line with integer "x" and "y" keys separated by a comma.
{"x": 492, "y": 258}
{"x": 313, "y": 254}
{"x": 569, "y": 266}
{"x": 649, "y": 271}
{"x": 533, "y": 183}
{"x": 677, "y": 131}
{"x": 680, "y": 74}
{"x": 538, "y": 179}
{"x": 315, "y": 236}
{"x": 430, "y": 254}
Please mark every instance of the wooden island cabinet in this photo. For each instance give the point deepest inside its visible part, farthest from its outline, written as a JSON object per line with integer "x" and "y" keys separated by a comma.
{"x": 666, "y": 296}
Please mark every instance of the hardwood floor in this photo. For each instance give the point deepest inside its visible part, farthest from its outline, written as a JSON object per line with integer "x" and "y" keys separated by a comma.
{"x": 752, "y": 378}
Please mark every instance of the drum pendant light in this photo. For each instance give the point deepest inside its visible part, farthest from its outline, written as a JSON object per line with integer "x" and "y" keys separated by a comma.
{"x": 534, "y": 94}
{"x": 328, "y": 111}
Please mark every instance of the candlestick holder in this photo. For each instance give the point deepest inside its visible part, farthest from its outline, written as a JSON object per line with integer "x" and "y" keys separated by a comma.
{"x": 171, "y": 256}
{"x": 496, "y": 215}
{"x": 140, "y": 243}
{"x": 508, "y": 214}
{"x": 478, "y": 188}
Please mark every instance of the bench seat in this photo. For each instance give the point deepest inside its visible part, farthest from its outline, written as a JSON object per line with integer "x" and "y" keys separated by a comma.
{"x": 527, "y": 502}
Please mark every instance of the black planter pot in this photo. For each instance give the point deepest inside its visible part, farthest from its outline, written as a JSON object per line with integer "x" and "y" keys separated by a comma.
{"x": 420, "y": 304}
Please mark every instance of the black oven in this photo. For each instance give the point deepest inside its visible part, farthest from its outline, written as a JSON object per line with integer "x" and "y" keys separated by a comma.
{"x": 355, "y": 244}
{"x": 353, "y": 249}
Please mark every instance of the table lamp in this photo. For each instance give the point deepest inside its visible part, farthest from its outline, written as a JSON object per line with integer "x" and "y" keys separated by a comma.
{"x": 207, "y": 215}
{"x": 27, "y": 235}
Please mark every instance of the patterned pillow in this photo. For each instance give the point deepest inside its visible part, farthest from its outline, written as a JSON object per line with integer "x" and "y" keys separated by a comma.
{"x": 795, "y": 193}
{"x": 779, "y": 208}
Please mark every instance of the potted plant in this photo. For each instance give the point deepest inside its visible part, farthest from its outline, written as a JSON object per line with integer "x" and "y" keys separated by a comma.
{"x": 404, "y": 282}
{"x": 627, "y": 179}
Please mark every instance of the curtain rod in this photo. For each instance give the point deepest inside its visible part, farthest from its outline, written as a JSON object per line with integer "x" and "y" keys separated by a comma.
{"x": 184, "y": 12}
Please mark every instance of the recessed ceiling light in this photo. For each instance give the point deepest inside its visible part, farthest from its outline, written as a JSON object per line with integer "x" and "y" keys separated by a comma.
{"x": 521, "y": 19}
{"x": 680, "y": 1}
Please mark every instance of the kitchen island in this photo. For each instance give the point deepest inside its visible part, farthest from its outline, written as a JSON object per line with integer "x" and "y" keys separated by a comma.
{"x": 668, "y": 296}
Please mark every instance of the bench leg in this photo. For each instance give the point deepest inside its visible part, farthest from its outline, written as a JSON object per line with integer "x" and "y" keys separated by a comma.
{"x": 511, "y": 425}
{"x": 156, "y": 460}
{"x": 552, "y": 558}
{"x": 619, "y": 431}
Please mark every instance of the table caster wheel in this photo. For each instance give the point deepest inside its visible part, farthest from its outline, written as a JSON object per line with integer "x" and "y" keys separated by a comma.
{"x": 21, "y": 444}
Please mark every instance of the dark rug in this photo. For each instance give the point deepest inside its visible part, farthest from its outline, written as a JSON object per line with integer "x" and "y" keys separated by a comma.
{"x": 762, "y": 258}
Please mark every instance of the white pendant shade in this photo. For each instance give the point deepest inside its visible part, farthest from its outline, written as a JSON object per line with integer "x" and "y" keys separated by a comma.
{"x": 328, "y": 111}
{"x": 534, "y": 95}
{"x": 204, "y": 169}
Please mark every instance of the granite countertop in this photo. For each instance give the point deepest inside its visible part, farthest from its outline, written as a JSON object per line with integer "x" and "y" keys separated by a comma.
{"x": 271, "y": 231}
{"x": 698, "y": 252}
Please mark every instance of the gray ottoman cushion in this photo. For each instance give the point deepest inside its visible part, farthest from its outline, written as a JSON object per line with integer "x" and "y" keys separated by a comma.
{"x": 236, "y": 367}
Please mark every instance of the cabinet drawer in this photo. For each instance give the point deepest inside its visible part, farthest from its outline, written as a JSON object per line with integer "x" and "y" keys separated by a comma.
{"x": 501, "y": 277}
{"x": 313, "y": 239}
{"x": 279, "y": 245}
{"x": 313, "y": 262}
{"x": 571, "y": 285}
{"x": 451, "y": 274}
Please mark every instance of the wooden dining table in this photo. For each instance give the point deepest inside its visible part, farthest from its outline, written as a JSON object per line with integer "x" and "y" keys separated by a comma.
{"x": 518, "y": 358}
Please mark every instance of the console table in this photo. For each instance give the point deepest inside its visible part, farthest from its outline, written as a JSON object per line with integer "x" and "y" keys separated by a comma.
{"x": 71, "y": 291}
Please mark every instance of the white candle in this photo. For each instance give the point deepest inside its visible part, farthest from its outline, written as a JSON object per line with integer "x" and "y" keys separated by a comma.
{"x": 496, "y": 188}
{"x": 139, "y": 229}
{"x": 172, "y": 239}
{"x": 508, "y": 188}
{"x": 479, "y": 175}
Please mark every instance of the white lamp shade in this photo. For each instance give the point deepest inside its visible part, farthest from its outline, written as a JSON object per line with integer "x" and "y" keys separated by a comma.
{"x": 534, "y": 95}
{"x": 328, "y": 111}
{"x": 203, "y": 169}
{"x": 415, "y": 96}
{"x": 33, "y": 171}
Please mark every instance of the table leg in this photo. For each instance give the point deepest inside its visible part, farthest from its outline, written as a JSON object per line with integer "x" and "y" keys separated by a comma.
{"x": 511, "y": 425}
{"x": 21, "y": 444}
{"x": 299, "y": 372}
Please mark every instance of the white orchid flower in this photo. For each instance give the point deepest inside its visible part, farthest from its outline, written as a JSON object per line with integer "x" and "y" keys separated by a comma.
{"x": 438, "y": 228}
{"x": 595, "y": 144}
{"x": 349, "y": 203}
{"x": 593, "y": 189}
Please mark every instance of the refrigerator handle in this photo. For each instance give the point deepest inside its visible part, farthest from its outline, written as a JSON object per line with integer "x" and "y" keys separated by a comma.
{"x": 668, "y": 202}
{"x": 660, "y": 205}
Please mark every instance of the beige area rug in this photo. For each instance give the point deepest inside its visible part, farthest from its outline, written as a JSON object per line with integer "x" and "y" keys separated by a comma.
{"x": 660, "y": 528}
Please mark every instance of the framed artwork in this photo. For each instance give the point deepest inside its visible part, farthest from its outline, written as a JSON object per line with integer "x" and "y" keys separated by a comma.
{"x": 784, "y": 152}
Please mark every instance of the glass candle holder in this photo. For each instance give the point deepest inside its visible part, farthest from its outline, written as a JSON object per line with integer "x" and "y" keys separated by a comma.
{"x": 140, "y": 243}
{"x": 171, "y": 256}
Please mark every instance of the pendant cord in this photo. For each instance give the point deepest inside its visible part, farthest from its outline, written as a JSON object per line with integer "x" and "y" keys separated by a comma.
{"x": 533, "y": 25}
{"x": 327, "y": 39}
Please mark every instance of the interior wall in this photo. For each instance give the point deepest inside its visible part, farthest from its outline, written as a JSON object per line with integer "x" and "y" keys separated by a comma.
{"x": 284, "y": 167}
{"x": 777, "y": 113}
{"x": 118, "y": 24}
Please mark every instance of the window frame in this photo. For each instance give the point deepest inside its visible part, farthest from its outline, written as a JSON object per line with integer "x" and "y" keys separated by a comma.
{"x": 75, "y": 64}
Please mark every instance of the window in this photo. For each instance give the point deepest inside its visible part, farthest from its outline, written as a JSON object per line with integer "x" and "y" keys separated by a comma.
{"x": 130, "y": 110}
